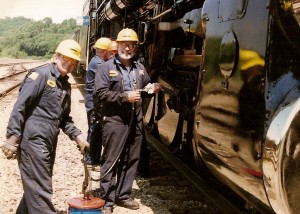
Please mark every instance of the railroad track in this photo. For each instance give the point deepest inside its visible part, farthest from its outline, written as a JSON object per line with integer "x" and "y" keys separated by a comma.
{"x": 171, "y": 189}
{"x": 215, "y": 201}
{"x": 12, "y": 74}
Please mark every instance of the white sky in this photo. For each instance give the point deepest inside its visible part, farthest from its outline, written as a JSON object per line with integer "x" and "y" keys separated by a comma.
{"x": 58, "y": 10}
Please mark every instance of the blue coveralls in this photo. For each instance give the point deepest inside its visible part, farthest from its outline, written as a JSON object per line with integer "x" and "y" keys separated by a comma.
{"x": 111, "y": 84}
{"x": 43, "y": 106}
{"x": 94, "y": 127}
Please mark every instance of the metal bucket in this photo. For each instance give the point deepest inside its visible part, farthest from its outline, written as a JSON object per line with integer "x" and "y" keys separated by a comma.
{"x": 89, "y": 205}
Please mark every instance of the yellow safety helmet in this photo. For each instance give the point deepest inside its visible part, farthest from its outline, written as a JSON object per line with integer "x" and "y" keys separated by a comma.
{"x": 113, "y": 46}
{"x": 250, "y": 58}
{"x": 69, "y": 48}
{"x": 102, "y": 43}
{"x": 127, "y": 35}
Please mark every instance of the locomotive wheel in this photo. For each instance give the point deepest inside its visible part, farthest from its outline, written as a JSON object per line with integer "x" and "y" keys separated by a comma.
{"x": 169, "y": 128}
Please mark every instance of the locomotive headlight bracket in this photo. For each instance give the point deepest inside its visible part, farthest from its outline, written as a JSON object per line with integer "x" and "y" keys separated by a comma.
{"x": 292, "y": 7}
{"x": 287, "y": 16}
{"x": 296, "y": 10}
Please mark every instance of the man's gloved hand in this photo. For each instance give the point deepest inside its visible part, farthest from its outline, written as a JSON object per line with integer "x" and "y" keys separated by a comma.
{"x": 10, "y": 147}
{"x": 152, "y": 88}
{"x": 82, "y": 144}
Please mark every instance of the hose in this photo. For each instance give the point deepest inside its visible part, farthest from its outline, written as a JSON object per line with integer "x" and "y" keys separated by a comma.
{"x": 120, "y": 151}
{"x": 86, "y": 180}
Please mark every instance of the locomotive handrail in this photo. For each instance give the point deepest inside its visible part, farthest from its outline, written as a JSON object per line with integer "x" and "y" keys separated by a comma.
{"x": 163, "y": 13}
{"x": 169, "y": 91}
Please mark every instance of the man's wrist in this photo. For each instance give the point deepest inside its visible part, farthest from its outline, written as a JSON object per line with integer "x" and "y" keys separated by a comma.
{"x": 12, "y": 144}
{"x": 13, "y": 140}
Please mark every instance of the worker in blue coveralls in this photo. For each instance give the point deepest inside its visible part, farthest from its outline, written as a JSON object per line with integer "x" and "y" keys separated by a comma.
{"x": 118, "y": 85}
{"x": 112, "y": 49}
{"x": 41, "y": 110}
{"x": 94, "y": 126}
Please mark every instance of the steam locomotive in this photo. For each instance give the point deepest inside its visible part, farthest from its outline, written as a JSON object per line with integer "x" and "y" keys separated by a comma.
{"x": 230, "y": 77}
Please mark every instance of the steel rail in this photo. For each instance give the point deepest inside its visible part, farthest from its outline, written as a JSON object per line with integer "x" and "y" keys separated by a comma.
{"x": 13, "y": 74}
{"x": 6, "y": 91}
{"x": 212, "y": 196}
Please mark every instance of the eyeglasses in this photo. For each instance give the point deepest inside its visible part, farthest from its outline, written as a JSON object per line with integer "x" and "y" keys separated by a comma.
{"x": 110, "y": 54}
{"x": 69, "y": 60}
{"x": 125, "y": 45}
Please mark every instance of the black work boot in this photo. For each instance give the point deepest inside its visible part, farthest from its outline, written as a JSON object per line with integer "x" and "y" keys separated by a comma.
{"x": 129, "y": 204}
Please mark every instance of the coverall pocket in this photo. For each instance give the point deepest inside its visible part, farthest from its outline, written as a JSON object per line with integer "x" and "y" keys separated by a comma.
{"x": 41, "y": 131}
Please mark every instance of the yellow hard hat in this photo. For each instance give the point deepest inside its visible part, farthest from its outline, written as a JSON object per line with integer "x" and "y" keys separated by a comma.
{"x": 127, "y": 35}
{"x": 102, "y": 43}
{"x": 113, "y": 46}
{"x": 250, "y": 58}
{"x": 69, "y": 48}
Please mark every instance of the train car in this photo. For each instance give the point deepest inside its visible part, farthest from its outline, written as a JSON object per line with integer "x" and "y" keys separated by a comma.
{"x": 81, "y": 36}
{"x": 229, "y": 72}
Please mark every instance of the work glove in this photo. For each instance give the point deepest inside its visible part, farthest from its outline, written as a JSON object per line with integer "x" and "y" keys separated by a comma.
{"x": 10, "y": 147}
{"x": 82, "y": 144}
{"x": 152, "y": 88}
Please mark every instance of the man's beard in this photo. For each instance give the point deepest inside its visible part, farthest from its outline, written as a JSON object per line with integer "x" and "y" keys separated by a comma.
{"x": 123, "y": 55}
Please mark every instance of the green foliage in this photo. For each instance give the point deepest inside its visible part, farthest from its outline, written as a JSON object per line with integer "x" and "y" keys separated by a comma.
{"x": 22, "y": 37}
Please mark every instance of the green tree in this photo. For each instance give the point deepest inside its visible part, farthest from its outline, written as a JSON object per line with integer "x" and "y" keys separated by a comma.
{"x": 47, "y": 21}
{"x": 22, "y": 37}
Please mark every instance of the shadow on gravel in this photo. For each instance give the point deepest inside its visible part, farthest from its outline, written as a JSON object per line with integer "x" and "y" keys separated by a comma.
{"x": 165, "y": 191}
{"x": 79, "y": 83}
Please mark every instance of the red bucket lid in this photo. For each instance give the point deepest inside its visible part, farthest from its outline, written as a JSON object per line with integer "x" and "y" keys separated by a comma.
{"x": 86, "y": 203}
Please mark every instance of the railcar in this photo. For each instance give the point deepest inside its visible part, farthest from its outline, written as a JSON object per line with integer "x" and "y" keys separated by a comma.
{"x": 229, "y": 72}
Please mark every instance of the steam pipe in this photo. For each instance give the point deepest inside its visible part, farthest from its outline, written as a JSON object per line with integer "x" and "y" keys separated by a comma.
{"x": 163, "y": 13}
{"x": 114, "y": 8}
{"x": 181, "y": 5}
{"x": 101, "y": 5}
